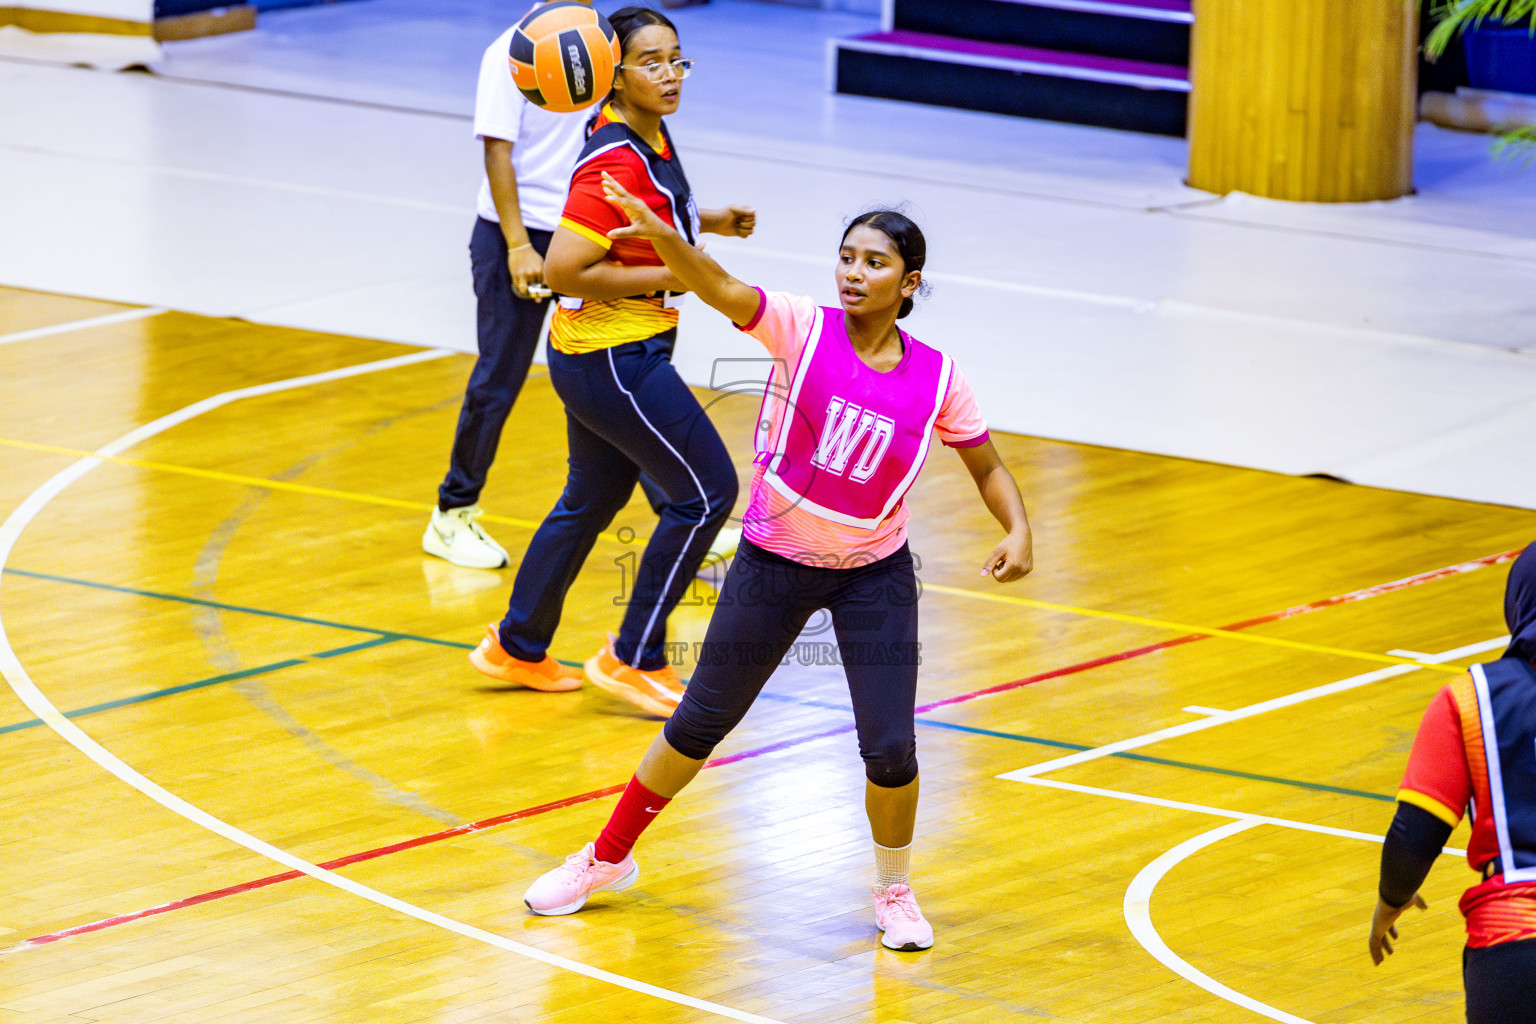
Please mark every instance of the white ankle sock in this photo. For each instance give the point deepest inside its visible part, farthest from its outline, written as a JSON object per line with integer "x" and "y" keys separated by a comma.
{"x": 893, "y": 865}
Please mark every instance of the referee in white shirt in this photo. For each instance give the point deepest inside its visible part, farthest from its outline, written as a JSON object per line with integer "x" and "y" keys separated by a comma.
{"x": 529, "y": 154}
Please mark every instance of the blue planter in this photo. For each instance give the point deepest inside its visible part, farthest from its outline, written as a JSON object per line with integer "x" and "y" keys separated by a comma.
{"x": 1502, "y": 58}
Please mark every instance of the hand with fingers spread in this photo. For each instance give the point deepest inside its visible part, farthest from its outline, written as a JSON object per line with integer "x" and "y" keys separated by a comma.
{"x": 1384, "y": 926}
{"x": 643, "y": 222}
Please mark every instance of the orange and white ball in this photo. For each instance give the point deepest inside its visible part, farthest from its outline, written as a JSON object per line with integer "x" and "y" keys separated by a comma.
{"x": 563, "y": 56}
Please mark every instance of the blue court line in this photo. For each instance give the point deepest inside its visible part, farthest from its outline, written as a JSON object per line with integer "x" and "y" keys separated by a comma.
{"x": 1145, "y": 758}
{"x": 379, "y": 638}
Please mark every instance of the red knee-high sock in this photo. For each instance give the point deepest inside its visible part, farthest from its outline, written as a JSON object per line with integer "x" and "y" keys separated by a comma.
{"x": 637, "y": 808}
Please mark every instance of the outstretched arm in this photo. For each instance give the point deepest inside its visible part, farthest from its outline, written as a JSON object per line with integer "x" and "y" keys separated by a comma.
{"x": 1014, "y": 556}
{"x": 697, "y": 272}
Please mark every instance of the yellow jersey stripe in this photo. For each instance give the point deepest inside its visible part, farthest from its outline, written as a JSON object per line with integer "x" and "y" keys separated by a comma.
{"x": 1430, "y": 804}
{"x": 596, "y": 237}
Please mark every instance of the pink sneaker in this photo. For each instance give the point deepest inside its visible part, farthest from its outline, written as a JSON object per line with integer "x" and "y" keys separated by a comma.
{"x": 896, "y": 915}
{"x": 565, "y": 889}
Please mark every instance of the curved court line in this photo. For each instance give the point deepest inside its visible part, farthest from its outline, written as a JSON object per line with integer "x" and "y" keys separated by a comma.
{"x": 1138, "y": 896}
{"x": 209, "y": 623}
{"x": 1138, "y": 916}
{"x": 20, "y": 682}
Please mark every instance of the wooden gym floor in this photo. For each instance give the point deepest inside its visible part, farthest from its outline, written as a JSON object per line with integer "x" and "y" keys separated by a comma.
{"x": 1202, "y": 700}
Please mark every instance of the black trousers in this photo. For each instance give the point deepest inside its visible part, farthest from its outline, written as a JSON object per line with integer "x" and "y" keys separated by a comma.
{"x": 627, "y": 412}
{"x": 1501, "y": 983}
{"x": 763, "y": 609}
{"x": 507, "y": 329}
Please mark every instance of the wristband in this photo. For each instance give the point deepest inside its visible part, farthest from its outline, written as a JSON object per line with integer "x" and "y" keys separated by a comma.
{"x": 519, "y": 248}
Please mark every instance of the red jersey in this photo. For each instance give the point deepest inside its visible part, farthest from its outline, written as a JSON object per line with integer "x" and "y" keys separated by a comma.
{"x": 1447, "y": 775}
{"x": 589, "y": 325}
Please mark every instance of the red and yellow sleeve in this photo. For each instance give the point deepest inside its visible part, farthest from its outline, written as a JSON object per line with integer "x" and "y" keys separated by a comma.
{"x": 1438, "y": 779}
{"x": 587, "y": 212}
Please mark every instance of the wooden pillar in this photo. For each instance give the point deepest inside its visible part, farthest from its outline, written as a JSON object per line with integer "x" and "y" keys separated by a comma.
{"x": 1307, "y": 100}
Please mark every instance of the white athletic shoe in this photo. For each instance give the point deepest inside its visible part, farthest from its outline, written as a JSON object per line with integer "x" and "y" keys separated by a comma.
{"x": 456, "y": 536}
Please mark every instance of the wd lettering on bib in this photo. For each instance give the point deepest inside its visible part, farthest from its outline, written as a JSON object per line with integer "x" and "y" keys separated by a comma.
{"x": 845, "y": 427}
{"x": 865, "y": 431}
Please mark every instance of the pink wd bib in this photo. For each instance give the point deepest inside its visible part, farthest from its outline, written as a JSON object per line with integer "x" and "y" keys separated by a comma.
{"x": 852, "y": 439}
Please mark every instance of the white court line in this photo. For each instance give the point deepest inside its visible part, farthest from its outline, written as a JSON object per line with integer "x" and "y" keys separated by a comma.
{"x": 1196, "y": 709}
{"x": 80, "y": 325}
{"x": 16, "y": 675}
{"x": 1138, "y": 915}
{"x": 1220, "y": 812}
{"x": 1222, "y": 718}
{"x": 1138, "y": 896}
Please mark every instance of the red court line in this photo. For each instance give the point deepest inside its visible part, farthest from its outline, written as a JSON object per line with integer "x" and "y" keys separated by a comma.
{"x": 1459, "y": 569}
{"x": 408, "y": 844}
{"x": 597, "y": 794}
{"x": 340, "y": 862}
{"x": 1363, "y": 594}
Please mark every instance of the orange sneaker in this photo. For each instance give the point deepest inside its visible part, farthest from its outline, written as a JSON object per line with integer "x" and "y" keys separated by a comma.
{"x": 547, "y": 675}
{"x": 655, "y": 690}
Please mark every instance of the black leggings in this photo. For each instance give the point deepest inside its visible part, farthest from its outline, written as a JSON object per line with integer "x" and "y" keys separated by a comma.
{"x": 1501, "y": 983}
{"x": 764, "y": 606}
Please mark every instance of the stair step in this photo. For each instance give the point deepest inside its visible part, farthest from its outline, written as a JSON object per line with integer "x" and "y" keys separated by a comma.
{"x": 1153, "y": 10}
{"x": 1156, "y": 31}
{"x": 1023, "y": 59}
{"x": 1021, "y": 81}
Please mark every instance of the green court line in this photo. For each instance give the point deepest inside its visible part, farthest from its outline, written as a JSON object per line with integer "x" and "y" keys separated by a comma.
{"x": 1064, "y": 745}
{"x": 227, "y": 677}
{"x": 1148, "y": 759}
{"x": 382, "y": 636}
{"x": 378, "y": 641}
{"x": 202, "y": 603}
{"x": 168, "y": 691}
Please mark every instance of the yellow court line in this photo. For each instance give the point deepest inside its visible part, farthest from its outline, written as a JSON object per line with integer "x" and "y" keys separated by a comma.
{"x": 271, "y": 485}
{"x": 1181, "y": 627}
{"x": 528, "y": 524}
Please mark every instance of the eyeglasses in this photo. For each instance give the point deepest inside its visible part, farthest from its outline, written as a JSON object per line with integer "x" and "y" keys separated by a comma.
{"x": 657, "y": 70}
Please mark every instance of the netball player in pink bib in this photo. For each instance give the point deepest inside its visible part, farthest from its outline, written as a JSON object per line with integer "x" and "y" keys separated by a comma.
{"x": 848, "y": 412}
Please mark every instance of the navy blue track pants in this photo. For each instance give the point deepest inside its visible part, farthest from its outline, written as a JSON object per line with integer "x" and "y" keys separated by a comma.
{"x": 627, "y": 412}
{"x": 507, "y": 330}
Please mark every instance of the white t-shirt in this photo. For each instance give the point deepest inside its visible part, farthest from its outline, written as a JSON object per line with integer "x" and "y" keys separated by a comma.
{"x": 544, "y": 145}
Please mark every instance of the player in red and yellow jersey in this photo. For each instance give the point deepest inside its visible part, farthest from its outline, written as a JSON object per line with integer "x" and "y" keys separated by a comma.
{"x": 589, "y": 324}
{"x": 1476, "y": 750}
{"x": 627, "y": 410}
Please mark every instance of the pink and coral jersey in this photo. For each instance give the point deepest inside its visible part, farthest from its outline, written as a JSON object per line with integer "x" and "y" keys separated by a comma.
{"x": 839, "y": 443}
